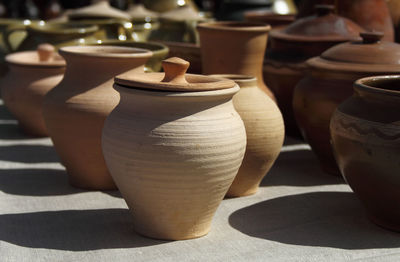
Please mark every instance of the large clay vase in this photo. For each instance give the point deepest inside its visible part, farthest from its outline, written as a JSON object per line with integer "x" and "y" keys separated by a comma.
{"x": 173, "y": 146}
{"x": 265, "y": 134}
{"x": 32, "y": 74}
{"x": 75, "y": 110}
{"x": 234, "y": 48}
{"x": 366, "y": 139}
{"x": 329, "y": 82}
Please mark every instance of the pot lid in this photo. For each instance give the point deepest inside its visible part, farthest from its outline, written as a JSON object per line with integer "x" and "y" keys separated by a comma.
{"x": 101, "y": 9}
{"x": 367, "y": 55}
{"x": 184, "y": 13}
{"x": 174, "y": 79}
{"x": 323, "y": 26}
{"x": 139, "y": 12}
{"x": 44, "y": 56}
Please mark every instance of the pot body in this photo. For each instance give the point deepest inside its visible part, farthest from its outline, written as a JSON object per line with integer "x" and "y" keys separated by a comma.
{"x": 244, "y": 55}
{"x": 366, "y": 139}
{"x": 75, "y": 111}
{"x": 173, "y": 156}
{"x": 265, "y": 134}
{"x": 23, "y": 90}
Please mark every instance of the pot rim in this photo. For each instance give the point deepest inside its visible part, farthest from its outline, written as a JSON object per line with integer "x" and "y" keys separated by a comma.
{"x": 235, "y": 26}
{"x": 366, "y": 85}
{"x": 241, "y": 80}
{"x": 154, "y": 47}
{"x": 105, "y": 51}
{"x": 19, "y": 59}
{"x": 63, "y": 28}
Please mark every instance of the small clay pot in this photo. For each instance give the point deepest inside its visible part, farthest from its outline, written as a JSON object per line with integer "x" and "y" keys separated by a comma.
{"x": 173, "y": 145}
{"x": 366, "y": 139}
{"x": 32, "y": 74}
{"x": 329, "y": 82}
{"x": 75, "y": 110}
{"x": 265, "y": 134}
{"x": 243, "y": 55}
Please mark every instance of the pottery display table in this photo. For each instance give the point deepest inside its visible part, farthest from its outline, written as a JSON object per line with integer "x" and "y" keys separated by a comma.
{"x": 299, "y": 214}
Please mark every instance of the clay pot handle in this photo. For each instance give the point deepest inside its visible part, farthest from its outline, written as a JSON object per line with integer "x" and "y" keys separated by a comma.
{"x": 175, "y": 69}
{"x": 371, "y": 37}
{"x": 45, "y": 52}
{"x": 324, "y": 9}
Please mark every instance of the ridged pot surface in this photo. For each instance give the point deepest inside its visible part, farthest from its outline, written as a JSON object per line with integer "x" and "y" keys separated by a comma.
{"x": 365, "y": 133}
{"x": 75, "y": 110}
{"x": 173, "y": 156}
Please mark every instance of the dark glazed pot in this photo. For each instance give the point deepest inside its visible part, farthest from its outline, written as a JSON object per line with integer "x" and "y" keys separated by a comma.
{"x": 329, "y": 82}
{"x": 366, "y": 140}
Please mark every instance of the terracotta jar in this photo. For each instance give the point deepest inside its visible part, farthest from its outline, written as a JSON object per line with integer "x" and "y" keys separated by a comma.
{"x": 366, "y": 139}
{"x": 284, "y": 65}
{"x": 265, "y": 134}
{"x": 329, "y": 82}
{"x": 75, "y": 110}
{"x": 243, "y": 55}
{"x": 173, "y": 145}
{"x": 32, "y": 74}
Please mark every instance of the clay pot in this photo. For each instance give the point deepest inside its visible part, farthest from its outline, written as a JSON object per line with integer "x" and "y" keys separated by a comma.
{"x": 265, "y": 134}
{"x": 268, "y": 17}
{"x": 244, "y": 55}
{"x": 144, "y": 21}
{"x": 284, "y": 65}
{"x": 116, "y": 29}
{"x": 366, "y": 139}
{"x": 173, "y": 145}
{"x": 100, "y": 10}
{"x": 75, "y": 110}
{"x": 32, "y": 74}
{"x": 329, "y": 82}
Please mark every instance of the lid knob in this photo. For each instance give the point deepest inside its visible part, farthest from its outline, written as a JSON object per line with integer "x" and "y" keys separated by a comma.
{"x": 371, "y": 37}
{"x": 45, "y": 52}
{"x": 324, "y": 9}
{"x": 175, "y": 69}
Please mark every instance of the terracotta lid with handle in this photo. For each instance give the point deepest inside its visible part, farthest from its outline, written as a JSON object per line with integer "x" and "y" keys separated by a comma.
{"x": 174, "y": 79}
{"x": 367, "y": 55}
{"x": 44, "y": 56}
{"x": 323, "y": 26}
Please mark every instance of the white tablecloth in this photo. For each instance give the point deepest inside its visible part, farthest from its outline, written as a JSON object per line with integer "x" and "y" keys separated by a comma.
{"x": 299, "y": 214}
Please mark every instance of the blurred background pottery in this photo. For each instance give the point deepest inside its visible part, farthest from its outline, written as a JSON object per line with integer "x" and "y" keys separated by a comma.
{"x": 75, "y": 110}
{"x": 32, "y": 74}
{"x": 269, "y": 17}
{"x": 187, "y": 51}
{"x": 290, "y": 47}
{"x": 144, "y": 21}
{"x": 162, "y": 6}
{"x": 329, "y": 82}
{"x": 99, "y": 10}
{"x": 366, "y": 139}
{"x": 265, "y": 133}
{"x": 173, "y": 145}
{"x": 243, "y": 55}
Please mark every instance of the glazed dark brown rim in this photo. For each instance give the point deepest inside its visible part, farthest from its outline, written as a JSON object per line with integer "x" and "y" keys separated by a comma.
{"x": 366, "y": 84}
{"x": 236, "y": 26}
{"x": 19, "y": 59}
{"x": 109, "y": 51}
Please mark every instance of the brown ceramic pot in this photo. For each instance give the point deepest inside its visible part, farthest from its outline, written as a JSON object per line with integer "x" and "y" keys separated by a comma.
{"x": 173, "y": 145}
{"x": 265, "y": 134}
{"x": 32, "y": 74}
{"x": 366, "y": 139}
{"x": 329, "y": 82}
{"x": 284, "y": 65}
{"x": 243, "y": 55}
{"x": 269, "y": 17}
{"x": 75, "y": 110}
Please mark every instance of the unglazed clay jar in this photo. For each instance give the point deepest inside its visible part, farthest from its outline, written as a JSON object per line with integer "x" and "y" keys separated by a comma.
{"x": 290, "y": 48}
{"x": 265, "y": 134}
{"x": 329, "y": 82}
{"x": 32, "y": 74}
{"x": 366, "y": 139}
{"x": 173, "y": 145}
{"x": 75, "y": 110}
{"x": 243, "y": 55}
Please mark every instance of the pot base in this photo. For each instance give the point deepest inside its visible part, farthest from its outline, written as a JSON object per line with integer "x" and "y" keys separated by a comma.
{"x": 78, "y": 182}
{"x": 171, "y": 236}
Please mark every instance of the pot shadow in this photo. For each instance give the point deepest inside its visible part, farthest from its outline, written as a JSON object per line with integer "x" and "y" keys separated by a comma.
{"x": 36, "y": 182}
{"x": 318, "y": 219}
{"x": 29, "y": 154}
{"x": 73, "y": 230}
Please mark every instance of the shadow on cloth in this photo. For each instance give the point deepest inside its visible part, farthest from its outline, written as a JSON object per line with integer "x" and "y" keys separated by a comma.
{"x": 74, "y": 230}
{"x": 29, "y": 154}
{"x": 36, "y": 182}
{"x": 318, "y": 219}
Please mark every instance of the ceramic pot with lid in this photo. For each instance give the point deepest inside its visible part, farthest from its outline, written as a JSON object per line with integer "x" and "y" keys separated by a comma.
{"x": 265, "y": 133}
{"x": 329, "y": 82}
{"x": 365, "y": 131}
{"x": 32, "y": 74}
{"x": 75, "y": 110}
{"x": 173, "y": 145}
{"x": 290, "y": 47}
{"x": 243, "y": 55}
